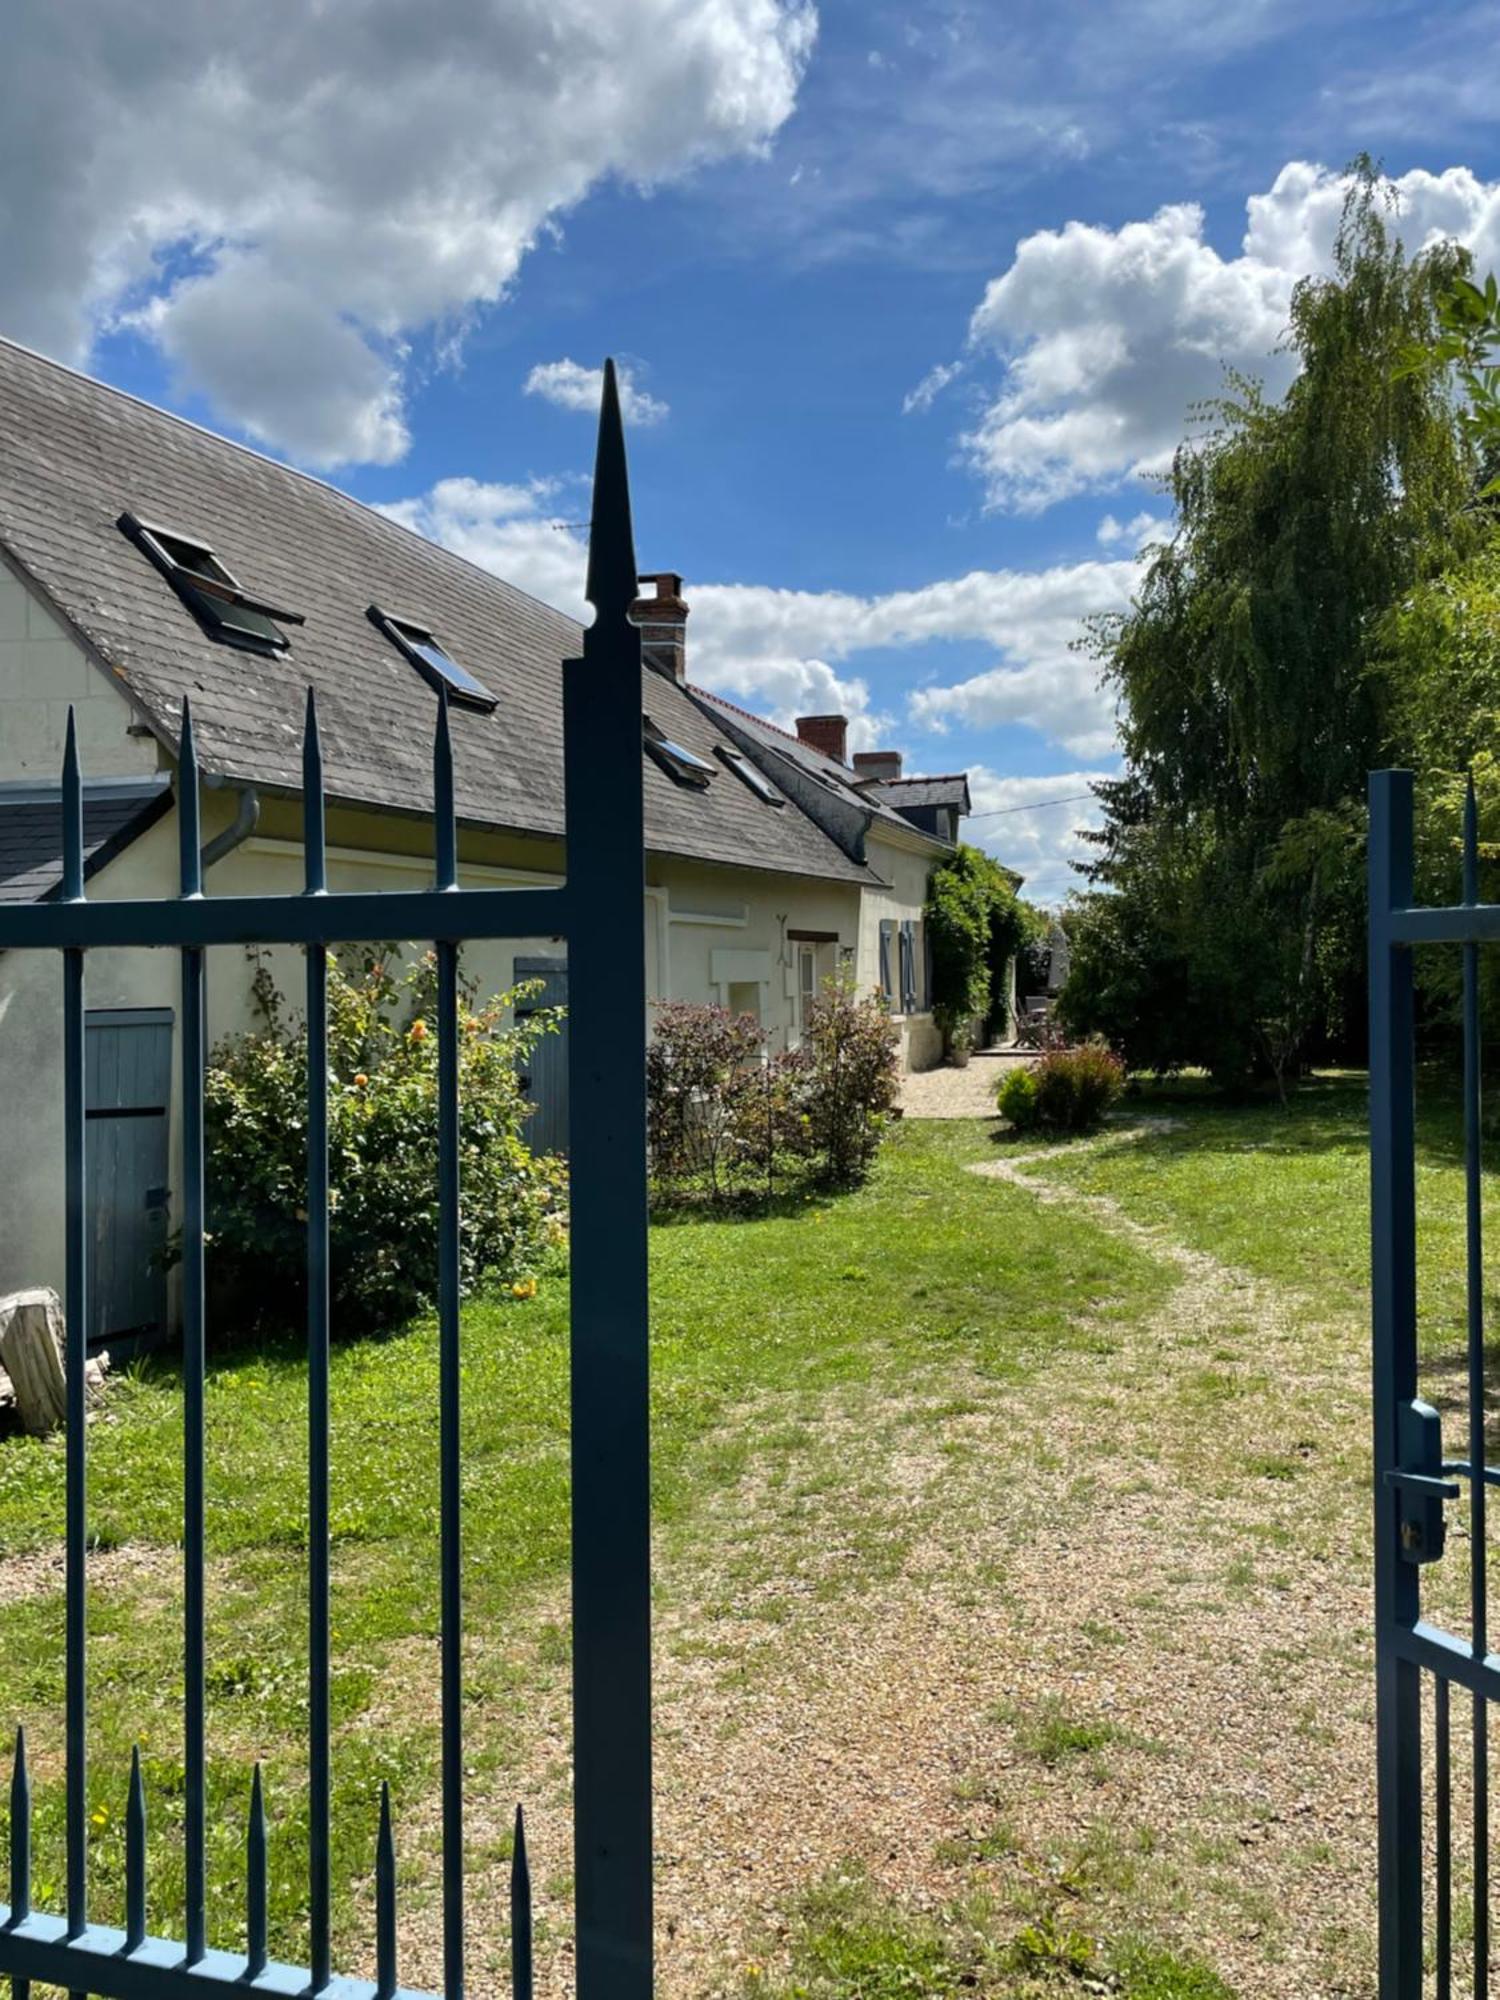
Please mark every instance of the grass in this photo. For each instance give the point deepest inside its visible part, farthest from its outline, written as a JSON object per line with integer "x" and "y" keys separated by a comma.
{"x": 1283, "y": 1190}
{"x": 851, "y": 1942}
{"x": 1013, "y": 1352}
{"x": 903, "y": 1280}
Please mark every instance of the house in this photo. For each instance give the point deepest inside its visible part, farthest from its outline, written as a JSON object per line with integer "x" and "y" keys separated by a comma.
{"x": 143, "y": 559}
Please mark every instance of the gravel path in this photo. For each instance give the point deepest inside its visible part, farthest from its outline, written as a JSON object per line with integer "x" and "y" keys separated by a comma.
{"x": 864, "y": 1651}
{"x": 960, "y": 1093}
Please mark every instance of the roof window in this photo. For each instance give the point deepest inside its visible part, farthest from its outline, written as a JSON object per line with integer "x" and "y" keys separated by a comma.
{"x": 678, "y": 762}
{"x": 751, "y": 775}
{"x": 204, "y": 584}
{"x": 436, "y": 666}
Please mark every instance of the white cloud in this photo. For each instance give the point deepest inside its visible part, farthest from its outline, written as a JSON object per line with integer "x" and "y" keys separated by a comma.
{"x": 781, "y": 651}
{"x": 1109, "y": 336}
{"x": 282, "y": 209}
{"x": 506, "y": 529}
{"x": 573, "y": 387}
{"x": 1134, "y": 533}
{"x": 1037, "y": 823}
{"x": 921, "y": 399}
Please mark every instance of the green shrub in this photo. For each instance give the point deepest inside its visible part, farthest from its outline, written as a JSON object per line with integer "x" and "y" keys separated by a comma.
{"x": 705, "y": 1097}
{"x": 1069, "y": 1090}
{"x": 1017, "y": 1099}
{"x": 845, "y": 1080}
{"x": 727, "y": 1118}
{"x": 382, "y": 1151}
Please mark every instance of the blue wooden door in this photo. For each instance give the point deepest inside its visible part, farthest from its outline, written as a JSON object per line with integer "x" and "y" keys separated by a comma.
{"x": 127, "y": 1092}
{"x": 546, "y": 1075}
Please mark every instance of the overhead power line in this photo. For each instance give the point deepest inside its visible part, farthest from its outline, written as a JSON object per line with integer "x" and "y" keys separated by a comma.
{"x": 1041, "y": 805}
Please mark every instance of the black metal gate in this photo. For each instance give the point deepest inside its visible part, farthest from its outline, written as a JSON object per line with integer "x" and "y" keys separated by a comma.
{"x": 600, "y": 911}
{"x": 1414, "y": 1482}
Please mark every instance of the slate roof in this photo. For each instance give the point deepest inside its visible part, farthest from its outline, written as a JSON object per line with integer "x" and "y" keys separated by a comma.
{"x": 837, "y": 778}
{"x": 31, "y": 835}
{"x": 950, "y": 791}
{"x": 75, "y": 454}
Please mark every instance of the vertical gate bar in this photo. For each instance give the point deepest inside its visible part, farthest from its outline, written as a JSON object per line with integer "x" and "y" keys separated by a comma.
{"x": 319, "y": 1730}
{"x": 1442, "y": 1808}
{"x": 1398, "y": 1716}
{"x": 449, "y": 1364}
{"x": 135, "y": 1855}
{"x": 1478, "y": 1538}
{"x": 20, "y": 1848}
{"x": 385, "y": 1901}
{"x": 256, "y": 1926}
{"x": 610, "y": 1370}
{"x": 76, "y": 1282}
{"x": 520, "y": 1914}
{"x": 193, "y": 1054}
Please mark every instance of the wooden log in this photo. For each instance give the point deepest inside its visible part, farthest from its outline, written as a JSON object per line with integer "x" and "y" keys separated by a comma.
{"x": 32, "y": 1354}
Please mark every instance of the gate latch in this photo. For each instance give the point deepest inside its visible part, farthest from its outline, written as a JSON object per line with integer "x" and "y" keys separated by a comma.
{"x": 1419, "y": 1482}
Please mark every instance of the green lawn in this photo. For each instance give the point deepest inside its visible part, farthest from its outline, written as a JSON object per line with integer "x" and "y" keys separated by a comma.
{"x": 899, "y": 1280}
{"x": 965, "y": 1488}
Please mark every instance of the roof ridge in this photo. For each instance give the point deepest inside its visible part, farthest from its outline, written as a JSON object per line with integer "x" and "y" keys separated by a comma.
{"x": 764, "y": 721}
{"x": 279, "y": 465}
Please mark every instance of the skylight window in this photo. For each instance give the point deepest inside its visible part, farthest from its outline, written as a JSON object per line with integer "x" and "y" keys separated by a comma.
{"x": 752, "y": 775}
{"x": 209, "y": 591}
{"x": 432, "y": 661}
{"x": 676, "y": 760}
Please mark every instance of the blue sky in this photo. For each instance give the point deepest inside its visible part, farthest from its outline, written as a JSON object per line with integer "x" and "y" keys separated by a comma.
{"x": 913, "y": 298}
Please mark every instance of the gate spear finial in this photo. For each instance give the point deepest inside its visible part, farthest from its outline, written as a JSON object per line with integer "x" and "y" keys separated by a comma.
{"x": 612, "y": 581}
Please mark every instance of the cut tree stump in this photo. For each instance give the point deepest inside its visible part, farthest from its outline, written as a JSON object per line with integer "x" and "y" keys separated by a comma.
{"x": 32, "y": 1351}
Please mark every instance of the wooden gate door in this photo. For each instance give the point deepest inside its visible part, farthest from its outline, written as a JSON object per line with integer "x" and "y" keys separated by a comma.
{"x": 128, "y": 1091}
{"x": 547, "y": 1071}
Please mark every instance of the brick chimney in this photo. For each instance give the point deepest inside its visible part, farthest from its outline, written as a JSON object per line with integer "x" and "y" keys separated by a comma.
{"x": 880, "y": 767}
{"x": 663, "y": 622}
{"x": 827, "y": 734}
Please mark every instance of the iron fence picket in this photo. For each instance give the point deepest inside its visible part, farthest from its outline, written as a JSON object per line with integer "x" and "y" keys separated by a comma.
{"x": 599, "y": 910}
{"x": 319, "y": 1415}
{"x": 1412, "y": 1479}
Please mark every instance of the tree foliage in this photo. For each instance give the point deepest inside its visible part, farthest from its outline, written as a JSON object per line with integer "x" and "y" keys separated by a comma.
{"x": 976, "y": 925}
{"x": 1249, "y": 676}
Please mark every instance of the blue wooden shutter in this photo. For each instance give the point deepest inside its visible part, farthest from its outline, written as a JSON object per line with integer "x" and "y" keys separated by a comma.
{"x": 887, "y": 986}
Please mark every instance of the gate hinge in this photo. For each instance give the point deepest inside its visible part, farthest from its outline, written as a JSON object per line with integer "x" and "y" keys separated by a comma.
{"x": 1419, "y": 1482}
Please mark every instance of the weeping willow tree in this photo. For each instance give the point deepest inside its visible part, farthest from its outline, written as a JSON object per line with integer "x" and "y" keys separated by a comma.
{"x": 1251, "y": 699}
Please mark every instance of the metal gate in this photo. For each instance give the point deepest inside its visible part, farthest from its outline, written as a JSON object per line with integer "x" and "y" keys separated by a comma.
{"x": 1419, "y": 1664}
{"x": 600, "y": 911}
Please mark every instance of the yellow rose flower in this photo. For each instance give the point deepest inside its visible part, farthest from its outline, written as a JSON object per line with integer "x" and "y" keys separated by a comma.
{"x": 524, "y": 1288}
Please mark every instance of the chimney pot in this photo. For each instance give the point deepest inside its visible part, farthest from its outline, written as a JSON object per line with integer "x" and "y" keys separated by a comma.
{"x": 827, "y": 734}
{"x": 881, "y": 767}
{"x": 663, "y": 622}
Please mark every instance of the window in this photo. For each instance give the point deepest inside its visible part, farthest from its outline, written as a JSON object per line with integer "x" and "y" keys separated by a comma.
{"x": 751, "y": 775}
{"x": 678, "y": 762}
{"x": 436, "y": 666}
{"x": 209, "y": 591}
{"x": 807, "y": 982}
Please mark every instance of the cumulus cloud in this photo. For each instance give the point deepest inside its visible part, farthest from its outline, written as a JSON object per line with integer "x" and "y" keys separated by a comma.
{"x": 283, "y": 209}
{"x": 509, "y": 529}
{"x": 783, "y": 652}
{"x": 1035, "y": 825}
{"x": 1109, "y": 336}
{"x": 573, "y": 387}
